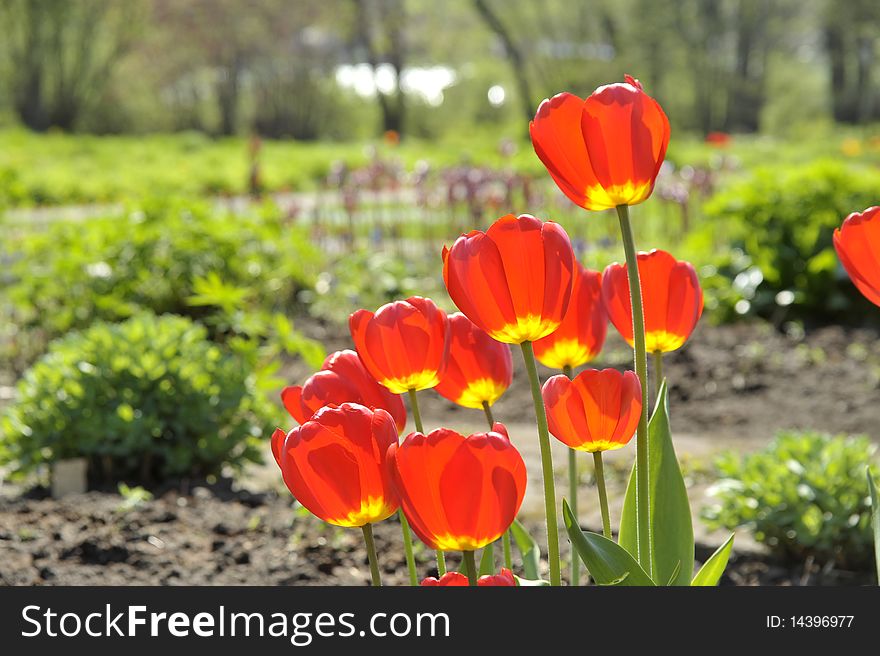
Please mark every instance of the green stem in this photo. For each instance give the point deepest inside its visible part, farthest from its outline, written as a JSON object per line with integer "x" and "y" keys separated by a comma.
{"x": 573, "y": 495}
{"x": 408, "y": 549}
{"x": 470, "y": 566}
{"x": 658, "y": 372}
{"x": 603, "y": 495}
{"x": 505, "y": 539}
{"x": 414, "y": 406}
{"x": 417, "y": 418}
{"x": 643, "y": 538}
{"x": 546, "y": 464}
{"x": 487, "y": 410}
{"x": 371, "y": 554}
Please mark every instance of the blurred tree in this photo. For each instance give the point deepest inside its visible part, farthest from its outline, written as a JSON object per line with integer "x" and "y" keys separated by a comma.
{"x": 851, "y": 34}
{"x": 379, "y": 31}
{"x": 62, "y": 54}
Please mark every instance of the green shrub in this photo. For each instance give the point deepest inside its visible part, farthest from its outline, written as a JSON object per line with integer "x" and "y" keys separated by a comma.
{"x": 148, "y": 398}
{"x": 169, "y": 256}
{"x": 783, "y": 220}
{"x": 804, "y": 495}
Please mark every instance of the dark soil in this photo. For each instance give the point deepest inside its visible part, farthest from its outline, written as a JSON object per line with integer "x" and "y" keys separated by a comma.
{"x": 213, "y": 536}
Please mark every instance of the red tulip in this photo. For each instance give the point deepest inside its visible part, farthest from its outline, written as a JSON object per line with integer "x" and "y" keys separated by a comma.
{"x": 673, "y": 300}
{"x": 404, "y": 344}
{"x": 479, "y": 369}
{"x": 594, "y": 411}
{"x": 603, "y": 151}
{"x": 857, "y": 243}
{"x": 457, "y": 579}
{"x": 343, "y": 378}
{"x": 514, "y": 280}
{"x": 335, "y": 464}
{"x": 581, "y": 334}
{"x": 458, "y": 493}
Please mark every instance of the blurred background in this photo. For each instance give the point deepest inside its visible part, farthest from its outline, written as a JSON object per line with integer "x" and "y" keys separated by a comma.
{"x": 195, "y": 195}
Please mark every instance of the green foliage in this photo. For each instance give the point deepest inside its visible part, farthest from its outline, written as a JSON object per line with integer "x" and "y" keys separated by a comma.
{"x": 148, "y": 398}
{"x": 779, "y": 224}
{"x": 369, "y": 278}
{"x": 671, "y": 532}
{"x": 234, "y": 273}
{"x": 804, "y": 495}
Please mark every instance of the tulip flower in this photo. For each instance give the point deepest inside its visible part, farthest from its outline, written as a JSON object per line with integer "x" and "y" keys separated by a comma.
{"x": 673, "y": 300}
{"x": 479, "y": 369}
{"x": 404, "y": 344}
{"x": 343, "y": 378}
{"x": 456, "y": 579}
{"x": 857, "y": 243}
{"x": 594, "y": 412}
{"x": 581, "y": 334}
{"x": 335, "y": 465}
{"x": 604, "y": 151}
{"x": 458, "y": 493}
{"x": 514, "y": 281}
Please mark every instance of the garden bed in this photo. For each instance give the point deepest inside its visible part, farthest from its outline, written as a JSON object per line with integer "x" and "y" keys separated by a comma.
{"x": 212, "y": 535}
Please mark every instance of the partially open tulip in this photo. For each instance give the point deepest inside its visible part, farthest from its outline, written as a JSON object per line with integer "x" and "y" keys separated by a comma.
{"x": 857, "y": 243}
{"x": 479, "y": 368}
{"x": 673, "y": 300}
{"x": 514, "y": 280}
{"x": 458, "y": 493}
{"x": 457, "y": 579}
{"x": 335, "y": 464}
{"x": 343, "y": 378}
{"x": 581, "y": 334}
{"x": 594, "y": 411}
{"x": 404, "y": 344}
{"x": 603, "y": 151}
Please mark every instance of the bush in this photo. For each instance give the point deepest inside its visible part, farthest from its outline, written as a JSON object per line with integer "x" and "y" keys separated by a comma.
{"x": 148, "y": 398}
{"x": 180, "y": 257}
{"x": 782, "y": 221}
{"x": 805, "y": 494}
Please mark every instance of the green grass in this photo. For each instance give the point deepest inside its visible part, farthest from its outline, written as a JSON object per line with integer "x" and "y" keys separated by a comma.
{"x": 58, "y": 168}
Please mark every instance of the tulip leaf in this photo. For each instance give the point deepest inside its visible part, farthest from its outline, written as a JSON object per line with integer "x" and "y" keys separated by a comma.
{"x": 530, "y": 583}
{"x": 711, "y": 571}
{"x": 487, "y": 560}
{"x": 875, "y": 519}
{"x": 607, "y": 562}
{"x": 671, "y": 544}
{"x": 528, "y": 548}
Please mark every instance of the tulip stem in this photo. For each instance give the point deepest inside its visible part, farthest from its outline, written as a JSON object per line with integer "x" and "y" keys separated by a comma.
{"x": 505, "y": 538}
{"x": 408, "y": 548}
{"x": 470, "y": 566}
{"x": 371, "y": 554}
{"x": 658, "y": 371}
{"x": 603, "y": 495}
{"x": 546, "y": 464}
{"x": 643, "y": 538}
{"x": 417, "y": 418}
{"x": 488, "y": 412}
{"x": 573, "y": 495}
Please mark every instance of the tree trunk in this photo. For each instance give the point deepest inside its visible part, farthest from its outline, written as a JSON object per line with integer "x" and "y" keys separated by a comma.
{"x": 514, "y": 56}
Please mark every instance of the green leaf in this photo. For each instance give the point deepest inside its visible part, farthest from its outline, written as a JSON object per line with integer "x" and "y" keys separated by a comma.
{"x": 711, "y": 571}
{"x": 528, "y": 548}
{"x": 529, "y": 583}
{"x": 875, "y": 519}
{"x": 607, "y": 562}
{"x": 487, "y": 560}
{"x": 672, "y": 532}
